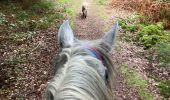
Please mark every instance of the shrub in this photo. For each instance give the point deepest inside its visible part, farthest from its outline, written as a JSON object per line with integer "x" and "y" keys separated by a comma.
{"x": 147, "y": 34}
{"x": 164, "y": 87}
{"x": 128, "y": 25}
{"x": 163, "y": 54}
{"x": 47, "y": 21}
{"x": 131, "y": 28}
{"x": 155, "y": 10}
{"x": 41, "y": 6}
{"x": 69, "y": 11}
{"x": 152, "y": 34}
{"x": 21, "y": 15}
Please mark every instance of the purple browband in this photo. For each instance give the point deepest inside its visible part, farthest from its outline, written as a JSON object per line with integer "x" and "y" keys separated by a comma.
{"x": 95, "y": 53}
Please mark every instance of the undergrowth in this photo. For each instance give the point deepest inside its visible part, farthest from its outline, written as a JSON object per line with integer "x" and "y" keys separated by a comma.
{"x": 164, "y": 87}
{"x": 135, "y": 80}
{"x": 155, "y": 40}
{"x": 163, "y": 54}
{"x": 150, "y": 30}
{"x": 101, "y": 2}
{"x": 147, "y": 34}
{"x": 19, "y": 23}
{"x": 152, "y": 34}
{"x": 155, "y": 10}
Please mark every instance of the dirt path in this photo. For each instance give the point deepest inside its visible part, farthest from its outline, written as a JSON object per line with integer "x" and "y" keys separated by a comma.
{"x": 99, "y": 19}
{"x": 41, "y": 50}
{"x": 91, "y": 27}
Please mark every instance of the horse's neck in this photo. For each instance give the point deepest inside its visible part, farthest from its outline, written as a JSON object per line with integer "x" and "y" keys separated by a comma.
{"x": 80, "y": 74}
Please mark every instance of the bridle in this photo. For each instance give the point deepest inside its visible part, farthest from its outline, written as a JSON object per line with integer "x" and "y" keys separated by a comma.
{"x": 92, "y": 51}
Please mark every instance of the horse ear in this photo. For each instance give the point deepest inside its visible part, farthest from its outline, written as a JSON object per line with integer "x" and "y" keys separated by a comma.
{"x": 109, "y": 36}
{"x": 65, "y": 35}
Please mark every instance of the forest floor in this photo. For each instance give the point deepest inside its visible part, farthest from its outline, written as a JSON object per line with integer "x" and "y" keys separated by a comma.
{"x": 99, "y": 19}
{"x": 28, "y": 80}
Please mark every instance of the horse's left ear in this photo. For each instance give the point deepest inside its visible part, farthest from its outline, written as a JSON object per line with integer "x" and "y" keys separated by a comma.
{"x": 110, "y": 36}
{"x": 65, "y": 35}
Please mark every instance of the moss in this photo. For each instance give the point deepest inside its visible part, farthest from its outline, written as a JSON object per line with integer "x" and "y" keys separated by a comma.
{"x": 164, "y": 87}
{"x": 163, "y": 54}
{"x": 135, "y": 80}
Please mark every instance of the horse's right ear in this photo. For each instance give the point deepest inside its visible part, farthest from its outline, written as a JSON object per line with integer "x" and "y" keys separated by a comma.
{"x": 110, "y": 36}
{"x": 65, "y": 35}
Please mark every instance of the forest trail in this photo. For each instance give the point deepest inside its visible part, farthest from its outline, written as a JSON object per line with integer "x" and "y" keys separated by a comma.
{"x": 90, "y": 27}
{"x": 99, "y": 19}
{"x": 29, "y": 49}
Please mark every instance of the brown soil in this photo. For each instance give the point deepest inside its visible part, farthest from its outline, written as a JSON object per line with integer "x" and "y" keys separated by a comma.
{"x": 93, "y": 28}
{"x": 44, "y": 46}
{"x": 124, "y": 53}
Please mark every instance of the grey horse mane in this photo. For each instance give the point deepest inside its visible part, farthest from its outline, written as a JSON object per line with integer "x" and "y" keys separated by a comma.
{"x": 78, "y": 76}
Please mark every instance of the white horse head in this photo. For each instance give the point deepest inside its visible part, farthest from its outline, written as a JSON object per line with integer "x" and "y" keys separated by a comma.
{"x": 66, "y": 37}
{"x": 83, "y": 69}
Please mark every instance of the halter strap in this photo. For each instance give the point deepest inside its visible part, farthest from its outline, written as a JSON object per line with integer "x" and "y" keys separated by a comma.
{"x": 95, "y": 53}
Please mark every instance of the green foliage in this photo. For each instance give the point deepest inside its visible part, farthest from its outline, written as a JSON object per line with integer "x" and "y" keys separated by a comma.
{"x": 101, "y": 2}
{"x": 19, "y": 22}
{"x": 47, "y": 21}
{"x": 127, "y": 26}
{"x": 42, "y": 6}
{"x": 148, "y": 34}
{"x": 131, "y": 28}
{"x": 63, "y": 1}
{"x": 21, "y": 36}
{"x": 155, "y": 38}
{"x": 122, "y": 23}
{"x": 70, "y": 8}
{"x": 2, "y": 19}
{"x": 22, "y": 15}
{"x": 163, "y": 54}
{"x": 41, "y": 23}
{"x": 164, "y": 87}
{"x": 69, "y": 11}
{"x": 136, "y": 80}
{"x": 152, "y": 34}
